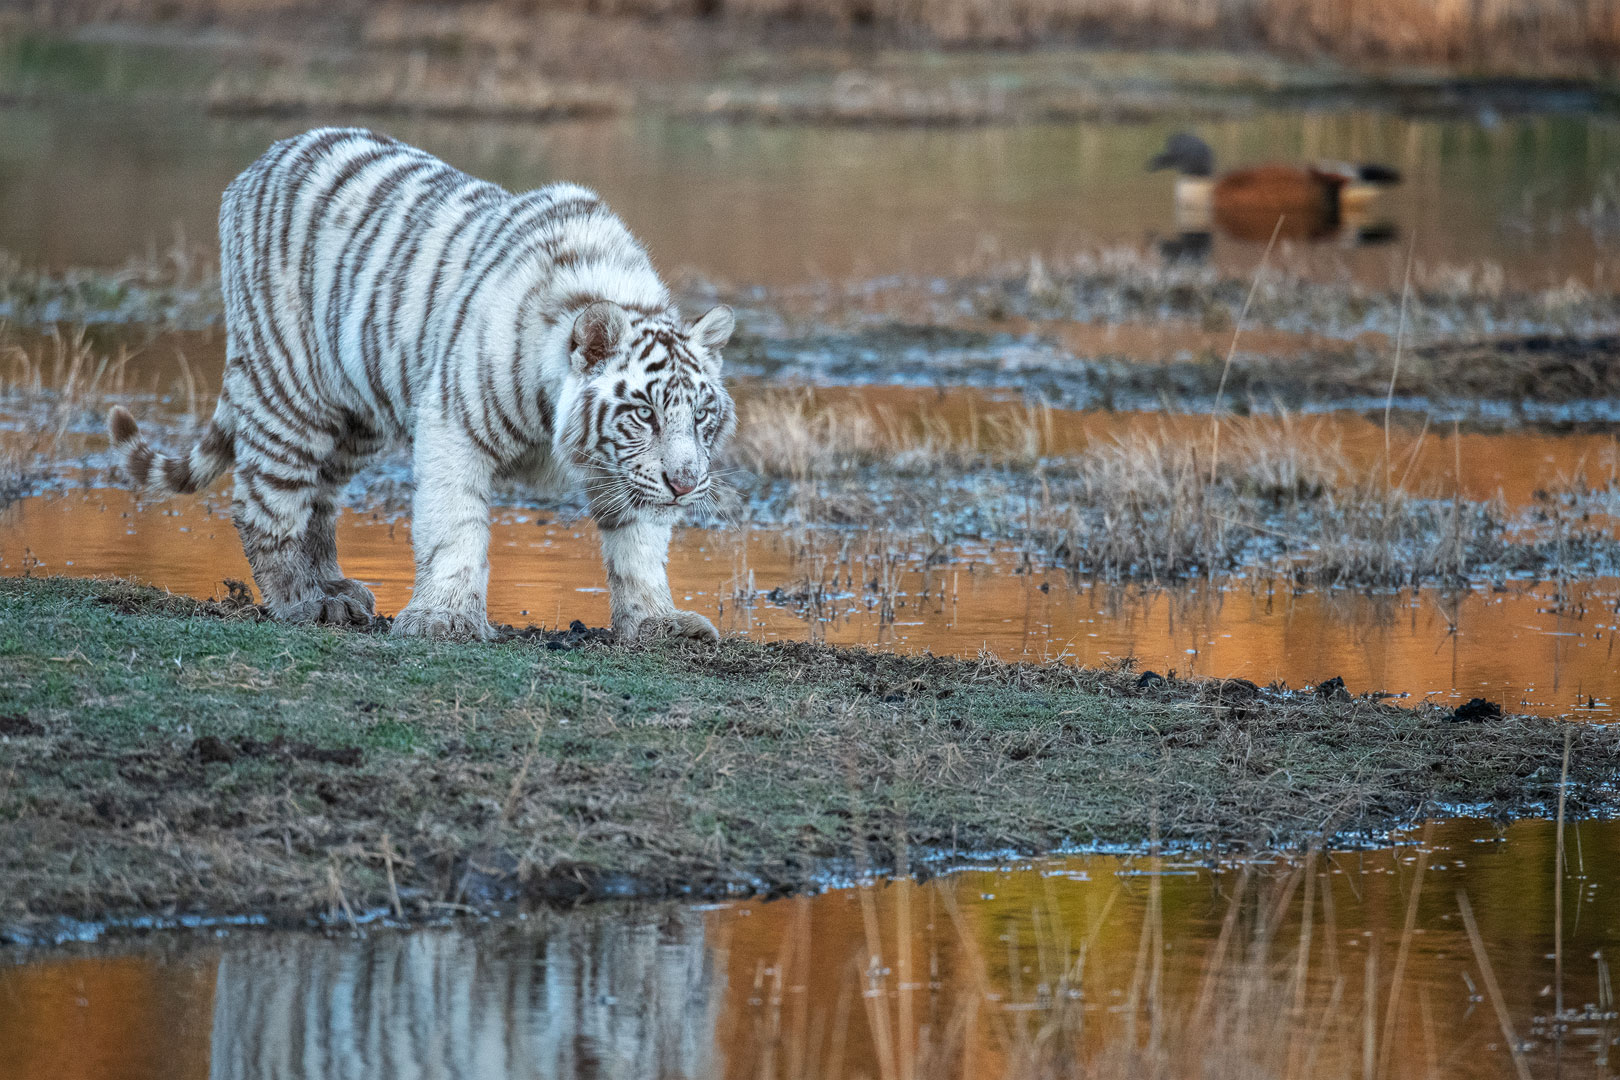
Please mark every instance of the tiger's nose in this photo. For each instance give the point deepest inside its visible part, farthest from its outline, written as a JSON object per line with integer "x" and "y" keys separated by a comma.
{"x": 679, "y": 487}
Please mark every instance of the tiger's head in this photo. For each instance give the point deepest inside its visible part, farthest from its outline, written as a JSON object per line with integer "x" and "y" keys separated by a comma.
{"x": 651, "y": 412}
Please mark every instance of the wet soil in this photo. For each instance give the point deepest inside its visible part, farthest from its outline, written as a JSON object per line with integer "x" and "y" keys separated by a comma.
{"x": 1537, "y": 379}
{"x": 245, "y": 766}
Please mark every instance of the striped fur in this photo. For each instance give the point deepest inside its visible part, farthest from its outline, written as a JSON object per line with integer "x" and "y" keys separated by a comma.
{"x": 374, "y": 293}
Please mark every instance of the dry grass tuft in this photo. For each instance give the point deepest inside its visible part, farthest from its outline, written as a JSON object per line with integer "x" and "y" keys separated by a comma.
{"x": 56, "y": 388}
{"x": 789, "y": 434}
{"x": 1284, "y": 497}
{"x": 50, "y": 389}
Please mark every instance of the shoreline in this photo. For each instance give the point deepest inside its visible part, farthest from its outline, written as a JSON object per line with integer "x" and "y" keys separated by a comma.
{"x": 242, "y": 767}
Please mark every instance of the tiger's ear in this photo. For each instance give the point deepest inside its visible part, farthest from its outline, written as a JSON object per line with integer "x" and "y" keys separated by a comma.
{"x": 714, "y": 329}
{"x": 597, "y": 332}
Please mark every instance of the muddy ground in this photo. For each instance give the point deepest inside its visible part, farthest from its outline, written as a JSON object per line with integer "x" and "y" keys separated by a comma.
{"x": 1539, "y": 379}
{"x": 165, "y": 757}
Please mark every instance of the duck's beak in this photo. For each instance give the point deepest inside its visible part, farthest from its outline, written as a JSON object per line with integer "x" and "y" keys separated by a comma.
{"x": 1163, "y": 161}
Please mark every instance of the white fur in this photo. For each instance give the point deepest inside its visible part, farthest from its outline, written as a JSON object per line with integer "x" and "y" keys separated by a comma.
{"x": 374, "y": 292}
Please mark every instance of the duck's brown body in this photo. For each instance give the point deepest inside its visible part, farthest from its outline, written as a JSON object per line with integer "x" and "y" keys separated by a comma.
{"x": 1246, "y": 203}
{"x": 1313, "y": 202}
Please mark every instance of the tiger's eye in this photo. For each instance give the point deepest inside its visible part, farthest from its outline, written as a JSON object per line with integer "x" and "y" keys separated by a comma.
{"x": 644, "y": 414}
{"x": 702, "y": 414}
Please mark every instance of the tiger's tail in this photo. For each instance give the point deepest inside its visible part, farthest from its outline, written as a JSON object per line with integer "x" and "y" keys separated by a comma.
{"x": 160, "y": 475}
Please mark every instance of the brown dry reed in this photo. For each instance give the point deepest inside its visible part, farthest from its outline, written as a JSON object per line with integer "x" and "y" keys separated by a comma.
{"x": 1497, "y": 36}
{"x": 793, "y": 434}
{"x": 58, "y": 386}
{"x": 50, "y": 386}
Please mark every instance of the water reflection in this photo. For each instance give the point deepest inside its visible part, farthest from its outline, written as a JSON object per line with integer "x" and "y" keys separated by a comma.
{"x": 591, "y": 996}
{"x": 1197, "y": 245}
{"x": 139, "y": 1016}
{"x": 772, "y": 204}
{"x": 1293, "y": 968}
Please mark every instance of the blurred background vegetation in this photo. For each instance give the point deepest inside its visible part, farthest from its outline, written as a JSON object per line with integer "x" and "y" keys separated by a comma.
{"x": 1535, "y": 38}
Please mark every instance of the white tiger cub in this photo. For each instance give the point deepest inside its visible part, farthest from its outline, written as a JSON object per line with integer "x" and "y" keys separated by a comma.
{"x": 373, "y": 292}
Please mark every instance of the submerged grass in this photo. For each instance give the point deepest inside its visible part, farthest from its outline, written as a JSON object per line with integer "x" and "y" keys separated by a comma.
{"x": 158, "y": 754}
{"x": 1282, "y": 497}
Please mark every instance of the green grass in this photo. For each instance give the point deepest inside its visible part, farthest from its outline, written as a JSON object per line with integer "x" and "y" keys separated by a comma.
{"x": 162, "y": 755}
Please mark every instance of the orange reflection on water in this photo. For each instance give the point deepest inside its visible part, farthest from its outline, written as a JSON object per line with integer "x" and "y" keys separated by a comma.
{"x": 1542, "y": 648}
{"x": 130, "y": 1017}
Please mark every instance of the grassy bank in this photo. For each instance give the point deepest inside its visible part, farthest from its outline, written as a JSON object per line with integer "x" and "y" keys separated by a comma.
{"x": 164, "y": 756}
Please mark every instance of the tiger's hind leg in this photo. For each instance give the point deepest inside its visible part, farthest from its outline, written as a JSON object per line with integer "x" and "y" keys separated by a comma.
{"x": 356, "y": 442}
{"x": 320, "y": 547}
{"x": 286, "y": 519}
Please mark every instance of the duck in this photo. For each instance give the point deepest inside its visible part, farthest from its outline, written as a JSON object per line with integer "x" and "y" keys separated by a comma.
{"x": 1315, "y": 201}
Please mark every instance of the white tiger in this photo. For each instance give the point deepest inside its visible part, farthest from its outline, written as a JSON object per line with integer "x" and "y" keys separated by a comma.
{"x": 373, "y": 292}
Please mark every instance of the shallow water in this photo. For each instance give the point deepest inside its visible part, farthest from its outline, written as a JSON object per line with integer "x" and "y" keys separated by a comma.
{"x": 771, "y": 205}
{"x": 862, "y": 981}
{"x": 1540, "y": 648}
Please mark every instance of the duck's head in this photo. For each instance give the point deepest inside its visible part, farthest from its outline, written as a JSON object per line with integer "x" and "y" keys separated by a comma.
{"x": 1187, "y": 154}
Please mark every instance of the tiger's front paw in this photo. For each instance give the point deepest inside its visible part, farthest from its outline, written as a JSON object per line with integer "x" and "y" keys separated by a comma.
{"x": 444, "y": 624}
{"x": 676, "y": 625}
